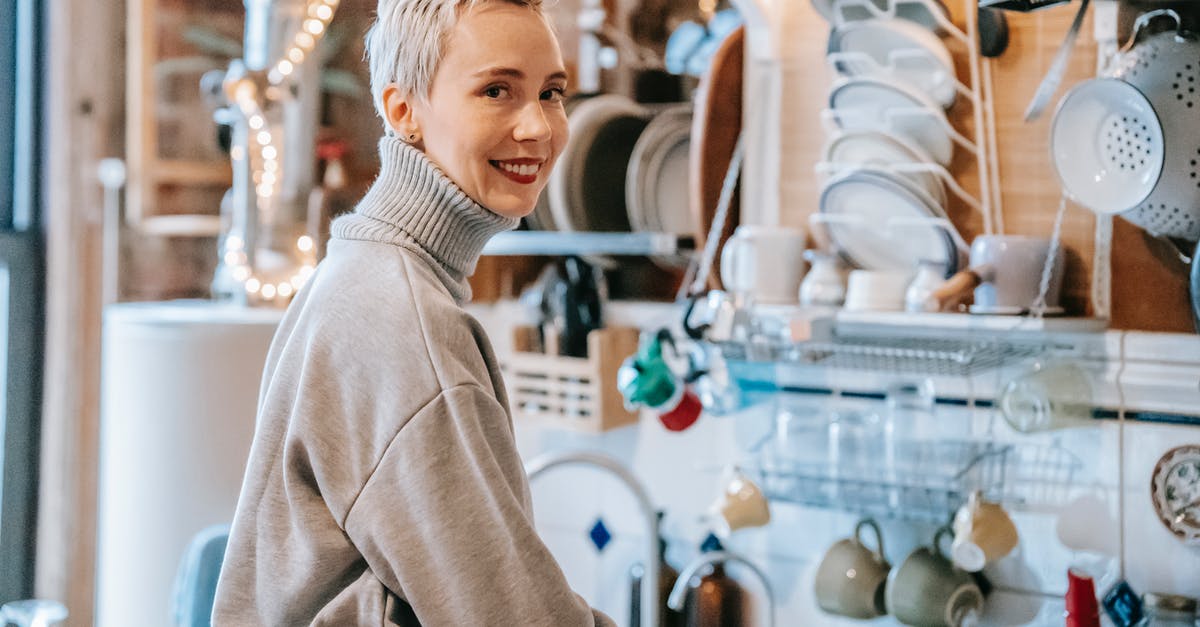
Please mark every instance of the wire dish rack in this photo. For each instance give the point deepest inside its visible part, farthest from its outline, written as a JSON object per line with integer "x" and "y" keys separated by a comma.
{"x": 922, "y": 480}
{"x": 909, "y": 355}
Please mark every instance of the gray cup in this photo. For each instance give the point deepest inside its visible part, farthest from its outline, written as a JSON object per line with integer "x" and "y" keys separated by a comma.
{"x": 850, "y": 579}
{"x": 927, "y": 590}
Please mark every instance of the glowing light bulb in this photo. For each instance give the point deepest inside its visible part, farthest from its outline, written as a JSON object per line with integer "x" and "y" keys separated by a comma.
{"x": 285, "y": 67}
{"x": 252, "y": 285}
{"x": 256, "y": 122}
{"x": 324, "y": 12}
{"x": 296, "y": 55}
{"x": 263, "y": 137}
{"x": 268, "y": 291}
{"x": 241, "y": 273}
{"x": 306, "y": 271}
{"x": 264, "y": 191}
{"x": 233, "y": 242}
{"x": 284, "y": 289}
{"x": 267, "y": 178}
{"x": 304, "y": 243}
{"x": 297, "y": 281}
{"x": 270, "y": 165}
{"x": 268, "y": 153}
{"x": 237, "y": 153}
{"x": 304, "y": 40}
{"x": 231, "y": 258}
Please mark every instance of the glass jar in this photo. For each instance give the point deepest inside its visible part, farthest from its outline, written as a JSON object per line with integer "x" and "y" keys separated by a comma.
{"x": 1167, "y": 610}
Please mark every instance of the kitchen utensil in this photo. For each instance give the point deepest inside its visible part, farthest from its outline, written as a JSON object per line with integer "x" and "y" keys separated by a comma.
{"x": 1047, "y": 395}
{"x": 1023, "y": 6}
{"x": 927, "y": 589}
{"x": 716, "y": 123}
{"x": 1194, "y": 277}
{"x": 850, "y": 578}
{"x": 867, "y": 200}
{"x": 919, "y": 11}
{"x": 1058, "y": 67}
{"x": 764, "y": 263}
{"x": 876, "y": 290}
{"x": 656, "y": 189}
{"x": 823, "y": 285}
{"x": 587, "y": 187}
{"x": 740, "y": 505}
{"x": 1005, "y": 274}
{"x": 1165, "y": 67}
{"x": 1082, "y": 609}
{"x": 884, "y": 103}
{"x": 993, "y": 32}
{"x": 878, "y": 148}
{"x": 1107, "y": 145}
{"x": 983, "y": 533}
{"x": 895, "y": 48}
{"x": 930, "y": 276}
{"x": 1175, "y": 492}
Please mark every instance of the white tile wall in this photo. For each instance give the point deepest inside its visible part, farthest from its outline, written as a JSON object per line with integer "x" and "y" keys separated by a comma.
{"x": 1093, "y": 513}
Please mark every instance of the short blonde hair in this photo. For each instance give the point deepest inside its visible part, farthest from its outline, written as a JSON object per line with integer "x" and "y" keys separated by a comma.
{"x": 404, "y": 45}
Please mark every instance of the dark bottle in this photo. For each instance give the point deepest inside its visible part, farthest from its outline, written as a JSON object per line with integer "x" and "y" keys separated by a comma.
{"x": 667, "y": 617}
{"x": 714, "y": 599}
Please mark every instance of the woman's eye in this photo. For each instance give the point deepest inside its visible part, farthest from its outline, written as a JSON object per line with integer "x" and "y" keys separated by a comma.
{"x": 553, "y": 94}
{"x": 495, "y": 91}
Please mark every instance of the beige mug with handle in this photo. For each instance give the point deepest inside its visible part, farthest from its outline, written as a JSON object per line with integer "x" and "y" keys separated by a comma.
{"x": 850, "y": 579}
{"x": 983, "y": 533}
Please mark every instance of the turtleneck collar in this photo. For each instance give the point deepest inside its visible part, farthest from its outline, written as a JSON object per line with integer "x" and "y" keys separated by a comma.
{"x": 415, "y": 205}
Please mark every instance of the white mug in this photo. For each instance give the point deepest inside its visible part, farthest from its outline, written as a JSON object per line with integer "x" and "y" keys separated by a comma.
{"x": 765, "y": 263}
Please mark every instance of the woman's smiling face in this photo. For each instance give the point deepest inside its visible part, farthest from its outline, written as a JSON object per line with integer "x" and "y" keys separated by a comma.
{"x": 494, "y": 120}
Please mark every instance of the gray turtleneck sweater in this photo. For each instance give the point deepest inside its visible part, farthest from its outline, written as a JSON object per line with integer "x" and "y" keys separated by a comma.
{"x": 384, "y": 485}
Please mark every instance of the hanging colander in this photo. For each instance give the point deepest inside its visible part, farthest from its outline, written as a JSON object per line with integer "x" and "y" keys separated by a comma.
{"x": 1165, "y": 67}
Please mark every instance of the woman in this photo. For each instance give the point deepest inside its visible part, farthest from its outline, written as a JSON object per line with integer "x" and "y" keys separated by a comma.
{"x": 384, "y": 485}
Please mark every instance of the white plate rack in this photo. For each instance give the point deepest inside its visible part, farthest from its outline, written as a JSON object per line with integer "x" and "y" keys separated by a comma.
{"x": 976, "y": 91}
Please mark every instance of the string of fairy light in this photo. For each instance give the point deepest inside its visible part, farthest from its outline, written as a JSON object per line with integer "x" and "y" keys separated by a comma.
{"x": 264, "y": 155}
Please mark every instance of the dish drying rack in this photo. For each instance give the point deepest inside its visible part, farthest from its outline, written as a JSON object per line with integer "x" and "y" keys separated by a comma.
{"x": 919, "y": 480}
{"x": 978, "y": 92}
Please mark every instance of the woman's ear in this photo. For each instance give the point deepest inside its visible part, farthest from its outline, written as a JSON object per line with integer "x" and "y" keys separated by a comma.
{"x": 397, "y": 107}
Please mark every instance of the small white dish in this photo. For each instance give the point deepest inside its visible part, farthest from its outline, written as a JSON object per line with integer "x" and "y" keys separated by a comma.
{"x": 899, "y": 49}
{"x": 877, "y": 103}
{"x": 1107, "y": 145}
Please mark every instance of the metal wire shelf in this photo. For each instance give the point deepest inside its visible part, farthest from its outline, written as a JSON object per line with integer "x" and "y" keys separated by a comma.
{"x": 912, "y": 355}
{"x": 917, "y": 480}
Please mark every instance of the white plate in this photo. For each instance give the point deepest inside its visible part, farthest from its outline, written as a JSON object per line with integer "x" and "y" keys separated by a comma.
{"x": 919, "y": 11}
{"x": 586, "y": 189}
{"x": 656, "y": 189}
{"x": 876, "y": 148}
{"x": 896, "y": 48}
{"x": 886, "y": 104}
{"x": 873, "y": 198}
{"x": 1107, "y": 145}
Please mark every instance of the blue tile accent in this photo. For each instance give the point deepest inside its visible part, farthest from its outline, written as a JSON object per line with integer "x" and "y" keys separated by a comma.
{"x": 600, "y": 535}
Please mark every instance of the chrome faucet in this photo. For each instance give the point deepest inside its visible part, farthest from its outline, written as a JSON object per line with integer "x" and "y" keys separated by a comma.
{"x": 675, "y": 601}
{"x": 545, "y": 462}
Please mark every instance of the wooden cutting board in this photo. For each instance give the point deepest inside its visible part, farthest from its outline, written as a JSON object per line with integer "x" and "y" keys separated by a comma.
{"x": 715, "y": 127}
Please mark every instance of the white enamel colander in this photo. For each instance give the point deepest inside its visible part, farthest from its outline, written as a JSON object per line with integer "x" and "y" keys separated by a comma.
{"x": 1165, "y": 67}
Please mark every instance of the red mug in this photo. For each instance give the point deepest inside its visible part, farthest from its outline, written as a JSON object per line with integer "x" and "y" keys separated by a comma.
{"x": 1082, "y": 609}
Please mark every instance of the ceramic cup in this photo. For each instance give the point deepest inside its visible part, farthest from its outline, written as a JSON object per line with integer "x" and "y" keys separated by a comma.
{"x": 926, "y": 589}
{"x": 850, "y": 579}
{"x": 874, "y": 290}
{"x": 740, "y": 505}
{"x": 765, "y": 263}
{"x": 823, "y": 285}
{"x": 983, "y": 533}
{"x": 1006, "y": 276}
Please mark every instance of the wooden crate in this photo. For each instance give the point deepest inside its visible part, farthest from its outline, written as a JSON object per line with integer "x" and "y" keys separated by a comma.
{"x": 575, "y": 393}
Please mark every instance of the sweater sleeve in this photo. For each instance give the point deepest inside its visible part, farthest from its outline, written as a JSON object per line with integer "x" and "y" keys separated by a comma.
{"x": 443, "y": 522}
